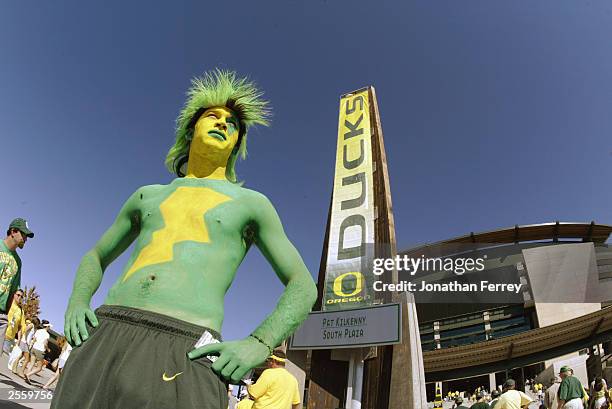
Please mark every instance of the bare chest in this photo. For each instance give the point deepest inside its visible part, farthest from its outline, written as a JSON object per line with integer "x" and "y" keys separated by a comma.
{"x": 193, "y": 213}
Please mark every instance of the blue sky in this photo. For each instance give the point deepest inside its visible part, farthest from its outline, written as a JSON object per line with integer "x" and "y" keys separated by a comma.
{"x": 494, "y": 114}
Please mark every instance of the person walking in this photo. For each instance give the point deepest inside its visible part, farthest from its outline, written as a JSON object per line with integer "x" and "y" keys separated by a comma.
{"x": 66, "y": 348}
{"x": 550, "y": 396}
{"x": 41, "y": 341}
{"x": 571, "y": 392}
{"x": 600, "y": 398}
{"x": 16, "y": 323}
{"x": 26, "y": 347}
{"x": 511, "y": 398}
{"x": 276, "y": 388}
{"x": 592, "y": 387}
{"x": 10, "y": 267}
{"x": 23, "y": 345}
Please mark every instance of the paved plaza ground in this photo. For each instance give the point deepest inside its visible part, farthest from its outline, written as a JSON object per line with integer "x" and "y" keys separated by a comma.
{"x": 14, "y": 390}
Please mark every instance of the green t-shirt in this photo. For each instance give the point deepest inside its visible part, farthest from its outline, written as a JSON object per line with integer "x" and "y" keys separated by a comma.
{"x": 10, "y": 275}
{"x": 480, "y": 405}
{"x": 570, "y": 388}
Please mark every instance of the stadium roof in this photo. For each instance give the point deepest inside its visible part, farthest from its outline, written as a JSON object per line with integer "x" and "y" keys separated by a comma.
{"x": 587, "y": 232}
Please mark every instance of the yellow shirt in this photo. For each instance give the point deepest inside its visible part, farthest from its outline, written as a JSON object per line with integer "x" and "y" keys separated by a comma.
{"x": 512, "y": 399}
{"x": 276, "y": 388}
{"x": 245, "y": 404}
{"x": 16, "y": 321}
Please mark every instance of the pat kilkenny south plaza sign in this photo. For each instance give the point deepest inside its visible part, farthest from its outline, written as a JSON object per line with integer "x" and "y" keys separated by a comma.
{"x": 359, "y": 327}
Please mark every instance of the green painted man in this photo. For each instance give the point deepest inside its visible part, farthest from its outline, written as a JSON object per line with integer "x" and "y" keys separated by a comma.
{"x": 149, "y": 344}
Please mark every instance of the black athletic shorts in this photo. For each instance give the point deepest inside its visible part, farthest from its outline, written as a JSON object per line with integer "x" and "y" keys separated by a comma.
{"x": 138, "y": 359}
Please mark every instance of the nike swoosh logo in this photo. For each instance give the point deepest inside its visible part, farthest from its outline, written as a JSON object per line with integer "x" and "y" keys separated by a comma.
{"x": 167, "y": 378}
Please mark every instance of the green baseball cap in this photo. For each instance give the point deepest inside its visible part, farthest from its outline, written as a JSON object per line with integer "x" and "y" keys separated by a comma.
{"x": 21, "y": 225}
{"x": 565, "y": 369}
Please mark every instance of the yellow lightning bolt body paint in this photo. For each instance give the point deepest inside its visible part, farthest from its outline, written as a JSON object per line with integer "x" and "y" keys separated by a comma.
{"x": 183, "y": 214}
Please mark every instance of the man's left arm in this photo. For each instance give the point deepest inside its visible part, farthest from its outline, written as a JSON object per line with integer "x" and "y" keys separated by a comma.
{"x": 300, "y": 290}
{"x": 238, "y": 357}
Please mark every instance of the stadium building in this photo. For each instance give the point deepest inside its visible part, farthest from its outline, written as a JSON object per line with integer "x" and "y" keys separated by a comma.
{"x": 562, "y": 315}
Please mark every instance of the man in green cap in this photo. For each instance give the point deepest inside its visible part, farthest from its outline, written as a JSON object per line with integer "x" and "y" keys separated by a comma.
{"x": 155, "y": 342}
{"x": 10, "y": 266}
{"x": 570, "y": 391}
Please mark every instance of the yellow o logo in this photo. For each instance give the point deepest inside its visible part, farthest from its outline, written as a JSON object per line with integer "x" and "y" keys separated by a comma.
{"x": 358, "y": 284}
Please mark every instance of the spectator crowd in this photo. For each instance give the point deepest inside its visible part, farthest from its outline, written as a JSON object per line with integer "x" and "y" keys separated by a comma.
{"x": 564, "y": 391}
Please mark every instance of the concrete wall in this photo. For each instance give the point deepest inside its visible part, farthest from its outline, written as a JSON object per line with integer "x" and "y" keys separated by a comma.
{"x": 563, "y": 279}
{"x": 565, "y": 273}
{"x": 577, "y": 363}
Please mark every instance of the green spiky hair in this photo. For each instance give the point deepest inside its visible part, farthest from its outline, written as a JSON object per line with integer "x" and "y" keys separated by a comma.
{"x": 218, "y": 88}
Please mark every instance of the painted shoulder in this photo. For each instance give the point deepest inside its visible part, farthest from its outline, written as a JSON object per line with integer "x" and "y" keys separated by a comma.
{"x": 261, "y": 209}
{"x": 148, "y": 190}
{"x": 256, "y": 198}
{"x": 133, "y": 203}
{"x": 151, "y": 188}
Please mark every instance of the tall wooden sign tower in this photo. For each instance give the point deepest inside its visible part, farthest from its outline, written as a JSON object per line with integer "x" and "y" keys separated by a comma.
{"x": 360, "y": 226}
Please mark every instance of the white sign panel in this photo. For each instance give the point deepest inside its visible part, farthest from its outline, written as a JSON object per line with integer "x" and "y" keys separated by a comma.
{"x": 359, "y": 327}
{"x": 352, "y": 211}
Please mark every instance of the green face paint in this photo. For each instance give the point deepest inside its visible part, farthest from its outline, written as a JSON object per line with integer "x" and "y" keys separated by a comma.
{"x": 218, "y": 88}
{"x": 191, "y": 235}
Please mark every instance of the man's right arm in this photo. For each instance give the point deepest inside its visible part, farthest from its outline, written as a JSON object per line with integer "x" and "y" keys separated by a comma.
{"x": 525, "y": 400}
{"x": 113, "y": 242}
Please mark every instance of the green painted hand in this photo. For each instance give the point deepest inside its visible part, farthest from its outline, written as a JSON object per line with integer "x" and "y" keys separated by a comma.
{"x": 236, "y": 358}
{"x": 75, "y": 327}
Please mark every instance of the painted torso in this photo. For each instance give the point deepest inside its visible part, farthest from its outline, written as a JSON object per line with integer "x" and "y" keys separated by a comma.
{"x": 192, "y": 238}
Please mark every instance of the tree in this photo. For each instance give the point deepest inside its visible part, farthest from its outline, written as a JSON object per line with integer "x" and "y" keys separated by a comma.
{"x": 31, "y": 303}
